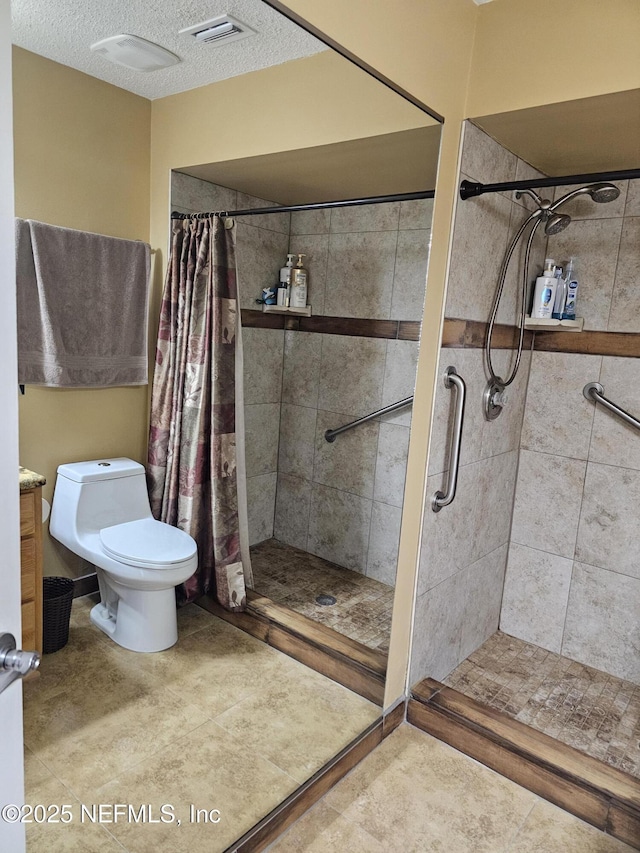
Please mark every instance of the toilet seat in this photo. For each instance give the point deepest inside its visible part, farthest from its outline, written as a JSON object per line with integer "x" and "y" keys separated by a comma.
{"x": 148, "y": 543}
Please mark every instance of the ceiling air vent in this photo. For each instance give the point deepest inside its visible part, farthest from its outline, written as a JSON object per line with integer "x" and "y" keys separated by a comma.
{"x": 135, "y": 53}
{"x": 218, "y": 31}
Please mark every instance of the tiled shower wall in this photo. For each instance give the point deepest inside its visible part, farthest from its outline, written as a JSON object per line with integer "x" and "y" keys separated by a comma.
{"x": 464, "y": 546}
{"x": 343, "y": 500}
{"x": 573, "y": 576}
{"x": 261, "y": 245}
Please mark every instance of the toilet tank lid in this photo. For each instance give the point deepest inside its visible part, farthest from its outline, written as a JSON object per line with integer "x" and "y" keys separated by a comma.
{"x": 100, "y": 469}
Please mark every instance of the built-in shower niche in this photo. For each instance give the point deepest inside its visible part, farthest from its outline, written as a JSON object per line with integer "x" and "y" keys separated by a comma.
{"x": 324, "y": 518}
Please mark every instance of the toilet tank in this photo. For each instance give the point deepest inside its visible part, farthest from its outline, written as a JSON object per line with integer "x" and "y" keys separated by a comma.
{"x": 91, "y": 495}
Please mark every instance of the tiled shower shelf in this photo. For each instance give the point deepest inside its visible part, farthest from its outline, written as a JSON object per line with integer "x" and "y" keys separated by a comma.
{"x": 551, "y": 325}
{"x": 279, "y": 309}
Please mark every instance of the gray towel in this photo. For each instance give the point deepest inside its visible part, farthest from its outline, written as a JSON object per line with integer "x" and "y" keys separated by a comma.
{"x": 82, "y": 307}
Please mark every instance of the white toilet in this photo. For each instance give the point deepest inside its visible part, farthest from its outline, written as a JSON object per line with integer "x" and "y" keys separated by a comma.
{"x": 101, "y": 512}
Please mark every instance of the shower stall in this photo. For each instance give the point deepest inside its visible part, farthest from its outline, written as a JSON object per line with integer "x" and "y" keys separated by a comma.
{"x": 528, "y": 587}
{"x": 328, "y": 398}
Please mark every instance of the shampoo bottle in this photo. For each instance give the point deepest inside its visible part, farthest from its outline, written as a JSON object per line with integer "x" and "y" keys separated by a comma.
{"x": 545, "y": 292}
{"x": 284, "y": 285}
{"x": 299, "y": 281}
{"x": 569, "y": 312}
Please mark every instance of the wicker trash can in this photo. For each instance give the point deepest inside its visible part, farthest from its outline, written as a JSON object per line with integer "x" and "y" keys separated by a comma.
{"x": 57, "y": 597}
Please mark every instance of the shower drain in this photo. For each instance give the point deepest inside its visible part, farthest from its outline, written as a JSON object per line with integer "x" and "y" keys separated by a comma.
{"x": 326, "y": 600}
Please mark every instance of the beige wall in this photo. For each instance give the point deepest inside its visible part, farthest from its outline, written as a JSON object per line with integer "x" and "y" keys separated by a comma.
{"x": 81, "y": 161}
{"x": 246, "y": 116}
{"x": 527, "y": 54}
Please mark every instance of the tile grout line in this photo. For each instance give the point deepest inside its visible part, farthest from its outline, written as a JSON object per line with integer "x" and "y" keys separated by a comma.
{"x": 575, "y": 547}
{"x": 393, "y": 276}
{"x": 365, "y": 567}
{"x": 317, "y": 407}
{"x": 615, "y": 273}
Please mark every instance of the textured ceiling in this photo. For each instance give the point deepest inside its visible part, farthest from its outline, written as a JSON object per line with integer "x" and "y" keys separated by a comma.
{"x": 63, "y": 30}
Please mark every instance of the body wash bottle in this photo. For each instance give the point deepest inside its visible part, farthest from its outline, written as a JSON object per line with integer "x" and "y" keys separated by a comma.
{"x": 299, "y": 279}
{"x": 545, "y": 292}
{"x": 569, "y": 312}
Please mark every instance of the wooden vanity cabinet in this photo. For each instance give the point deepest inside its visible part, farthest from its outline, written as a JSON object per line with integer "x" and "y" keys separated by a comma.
{"x": 31, "y": 567}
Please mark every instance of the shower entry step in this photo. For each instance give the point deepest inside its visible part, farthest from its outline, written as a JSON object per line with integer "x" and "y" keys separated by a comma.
{"x": 602, "y": 795}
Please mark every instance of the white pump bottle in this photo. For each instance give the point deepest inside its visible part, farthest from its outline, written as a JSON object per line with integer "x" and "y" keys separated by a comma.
{"x": 545, "y": 292}
{"x": 283, "y": 293}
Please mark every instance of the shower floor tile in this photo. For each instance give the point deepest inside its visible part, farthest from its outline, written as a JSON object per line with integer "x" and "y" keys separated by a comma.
{"x": 583, "y": 707}
{"x": 294, "y": 578}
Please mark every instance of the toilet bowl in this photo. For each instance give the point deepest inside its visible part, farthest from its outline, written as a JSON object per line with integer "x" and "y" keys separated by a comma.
{"x": 101, "y": 512}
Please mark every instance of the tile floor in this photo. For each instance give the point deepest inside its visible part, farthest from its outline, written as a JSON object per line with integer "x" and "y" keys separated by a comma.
{"x": 220, "y": 721}
{"x": 293, "y": 577}
{"x": 415, "y": 794}
{"x": 594, "y": 712}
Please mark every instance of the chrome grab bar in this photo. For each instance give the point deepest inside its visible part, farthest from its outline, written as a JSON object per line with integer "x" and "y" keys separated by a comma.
{"x": 330, "y": 434}
{"x": 441, "y": 499}
{"x": 595, "y": 392}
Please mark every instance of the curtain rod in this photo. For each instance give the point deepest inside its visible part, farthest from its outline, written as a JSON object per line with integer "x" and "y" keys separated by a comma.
{"x": 320, "y": 205}
{"x": 470, "y": 189}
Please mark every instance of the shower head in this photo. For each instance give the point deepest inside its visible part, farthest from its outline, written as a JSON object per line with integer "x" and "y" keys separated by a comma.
{"x": 603, "y": 193}
{"x": 600, "y": 193}
{"x": 556, "y": 223}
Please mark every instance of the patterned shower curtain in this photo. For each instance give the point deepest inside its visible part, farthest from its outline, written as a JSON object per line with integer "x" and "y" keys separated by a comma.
{"x": 192, "y": 464}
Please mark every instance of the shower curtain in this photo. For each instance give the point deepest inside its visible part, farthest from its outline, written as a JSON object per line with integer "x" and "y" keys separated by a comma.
{"x": 196, "y": 441}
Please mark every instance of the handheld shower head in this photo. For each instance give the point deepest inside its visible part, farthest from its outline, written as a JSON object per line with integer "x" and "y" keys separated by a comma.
{"x": 600, "y": 193}
{"x": 603, "y": 193}
{"x": 556, "y": 223}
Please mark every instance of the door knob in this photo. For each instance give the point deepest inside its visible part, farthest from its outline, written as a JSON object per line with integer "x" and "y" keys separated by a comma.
{"x": 14, "y": 663}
